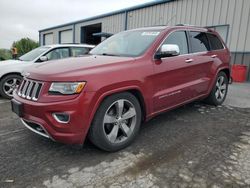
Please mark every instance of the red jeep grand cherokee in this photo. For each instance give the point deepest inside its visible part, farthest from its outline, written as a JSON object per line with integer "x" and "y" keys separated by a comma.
{"x": 127, "y": 79}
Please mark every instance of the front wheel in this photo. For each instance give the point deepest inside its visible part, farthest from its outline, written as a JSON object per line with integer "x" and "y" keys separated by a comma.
{"x": 116, "y": 122}
{"x": 8, "y": 85}
{"x": 219, "y": 91}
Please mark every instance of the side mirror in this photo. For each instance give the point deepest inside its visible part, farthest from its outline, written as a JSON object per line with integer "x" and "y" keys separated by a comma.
{"x": 167, "y": 50}
{"x": 43, "y": 58}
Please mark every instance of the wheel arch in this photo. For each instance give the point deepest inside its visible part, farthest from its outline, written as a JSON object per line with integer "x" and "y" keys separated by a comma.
{"x": 137, "y": 93}
{"x": 134, "y": 90}
{"x": 226, "y": 71}
{"x": 10, "y": 73}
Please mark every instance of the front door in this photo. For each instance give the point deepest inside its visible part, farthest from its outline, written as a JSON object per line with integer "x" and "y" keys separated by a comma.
{"x": 179, "y": 78}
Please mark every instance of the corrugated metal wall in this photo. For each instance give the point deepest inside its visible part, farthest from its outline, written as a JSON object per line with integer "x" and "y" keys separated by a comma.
{"x": 203, "y": 13}
{"x": 56, "y": 33}
{"x": 235, "y": 13}
{"x": 110, "y": 24}
{"x": 114, "y": 24}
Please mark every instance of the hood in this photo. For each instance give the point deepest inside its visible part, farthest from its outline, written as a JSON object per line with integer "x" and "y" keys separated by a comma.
{"x": 75, "y": 69}
{"x": 10, "y": 62}
{"x": 9, "y": 66}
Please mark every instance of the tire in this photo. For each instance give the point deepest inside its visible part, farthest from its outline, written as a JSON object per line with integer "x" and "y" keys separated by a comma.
{"x": 113, "y": 129}
{"x": 8, "y": 84}
{"x": 219, "y": 91}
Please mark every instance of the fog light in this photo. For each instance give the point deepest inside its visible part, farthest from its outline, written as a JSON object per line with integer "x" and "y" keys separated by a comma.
{"x": 61, "y": 117}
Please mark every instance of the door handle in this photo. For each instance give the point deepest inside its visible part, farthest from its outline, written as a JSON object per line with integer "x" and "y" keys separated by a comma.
{"x": 213, "y": 56}
{"x": 189, "y": 60}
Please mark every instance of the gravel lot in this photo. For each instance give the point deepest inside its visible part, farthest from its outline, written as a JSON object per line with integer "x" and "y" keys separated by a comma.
{"x": 193, "y": 146}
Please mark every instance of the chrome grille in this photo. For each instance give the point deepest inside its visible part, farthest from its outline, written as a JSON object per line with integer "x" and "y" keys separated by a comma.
{"x": 30, "y": 89}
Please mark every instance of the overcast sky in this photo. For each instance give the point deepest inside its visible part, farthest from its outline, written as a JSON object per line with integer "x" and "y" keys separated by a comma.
{"x": 23, "y": 18}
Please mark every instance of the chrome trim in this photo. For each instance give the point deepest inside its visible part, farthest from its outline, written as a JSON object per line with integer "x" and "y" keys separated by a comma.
{"x": 34, "y": 90}
{"x": 29, "y": 89}
{"x": 35, "y": 131}
{"x": 20, "y": 88}
{"x": 25, "y": 87}
{"x": 189, "y": 60}
{"x": 58, "y": 120}
{"x": 34, "y": 98}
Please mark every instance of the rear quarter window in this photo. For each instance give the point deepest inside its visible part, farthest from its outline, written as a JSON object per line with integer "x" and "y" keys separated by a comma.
{"x": 215, "y": 42}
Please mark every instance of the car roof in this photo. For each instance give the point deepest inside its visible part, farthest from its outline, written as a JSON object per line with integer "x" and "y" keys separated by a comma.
{"x": 179, "y": 26}
{"x": 150, "y": 28}
{"x": 69, "y": 45}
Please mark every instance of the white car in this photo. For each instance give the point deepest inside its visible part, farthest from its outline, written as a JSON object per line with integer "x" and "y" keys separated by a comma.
{"x": 11, "y": 70}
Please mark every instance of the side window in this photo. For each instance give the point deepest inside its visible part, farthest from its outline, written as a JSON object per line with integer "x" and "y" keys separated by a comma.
{"x": 179, "y": 38}
{"x": 79, "y": 51}
{"x": 58, "y": 53}
{"x": 199, "y": 42}
{"x": 215, "y": 42}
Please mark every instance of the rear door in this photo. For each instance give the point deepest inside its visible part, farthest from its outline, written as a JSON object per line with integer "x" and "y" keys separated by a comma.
{"x": 217, "y": 49}
{"x": 202, "y": 62}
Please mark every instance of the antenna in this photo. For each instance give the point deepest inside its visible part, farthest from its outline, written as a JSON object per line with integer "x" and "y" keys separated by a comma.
{"x": 170, "y": 19}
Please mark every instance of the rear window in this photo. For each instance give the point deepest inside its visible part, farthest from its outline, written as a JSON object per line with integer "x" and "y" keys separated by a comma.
{"x": 199, "y": 42}
{"x": 215, "y": 42}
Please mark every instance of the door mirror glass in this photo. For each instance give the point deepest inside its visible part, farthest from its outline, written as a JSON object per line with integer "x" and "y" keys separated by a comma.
{"x": 43, "y": 58}
{"x": 167, "y": 50}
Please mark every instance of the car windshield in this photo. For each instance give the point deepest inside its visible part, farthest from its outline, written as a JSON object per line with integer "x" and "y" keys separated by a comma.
{"x": 128, "y": 43}
{"x": 33, "y": 54}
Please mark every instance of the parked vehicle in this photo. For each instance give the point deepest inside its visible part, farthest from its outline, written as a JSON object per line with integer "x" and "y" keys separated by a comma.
{"x": 11, "y": 70}
{"x": 128, "y": 79}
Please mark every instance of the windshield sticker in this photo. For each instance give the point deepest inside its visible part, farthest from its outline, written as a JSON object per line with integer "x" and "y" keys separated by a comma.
{"x": 150, "y": 33}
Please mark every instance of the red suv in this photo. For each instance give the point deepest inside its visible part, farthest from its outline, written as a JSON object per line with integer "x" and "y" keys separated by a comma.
{"x": 127, "y": 79}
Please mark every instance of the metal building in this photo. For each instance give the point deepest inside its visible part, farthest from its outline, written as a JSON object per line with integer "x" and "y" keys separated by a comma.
{"x": 231, "y": 18}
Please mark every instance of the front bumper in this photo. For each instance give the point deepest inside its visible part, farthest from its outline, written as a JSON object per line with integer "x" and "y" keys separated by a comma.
{"x": 34, "y": 127}
{"x": 38, "y": 118}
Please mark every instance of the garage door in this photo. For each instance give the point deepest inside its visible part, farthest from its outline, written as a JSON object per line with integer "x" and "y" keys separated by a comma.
{"x": 48, "y": 39}
{"x": 66, "y": 36}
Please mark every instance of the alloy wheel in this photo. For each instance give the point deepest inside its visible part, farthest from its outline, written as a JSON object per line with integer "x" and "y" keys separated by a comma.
{"x": 10, "y": 85}
{"x": 119, "y": 121}
{"x": 221, "y": 88}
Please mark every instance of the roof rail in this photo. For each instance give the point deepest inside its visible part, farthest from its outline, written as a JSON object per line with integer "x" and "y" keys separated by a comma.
{"x": 70, "y": 43}
{"x": 186, "y": 25}
{"x": 205, "y": 27}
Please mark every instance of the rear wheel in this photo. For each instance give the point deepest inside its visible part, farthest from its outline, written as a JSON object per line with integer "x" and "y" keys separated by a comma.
{"x": 219, "y": 91}
{"x": 8, "y": 85}
{"x": 116, "y": 123}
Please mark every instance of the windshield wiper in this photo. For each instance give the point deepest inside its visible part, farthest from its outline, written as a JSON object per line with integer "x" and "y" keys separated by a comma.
{"x": 107, "y": 54}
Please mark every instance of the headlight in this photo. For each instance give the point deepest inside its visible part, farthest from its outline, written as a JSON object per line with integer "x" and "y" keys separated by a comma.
{"x": 66, "y": 88}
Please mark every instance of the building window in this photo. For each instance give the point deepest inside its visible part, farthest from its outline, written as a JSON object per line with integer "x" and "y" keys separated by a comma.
{"x": 222, "y": 30}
